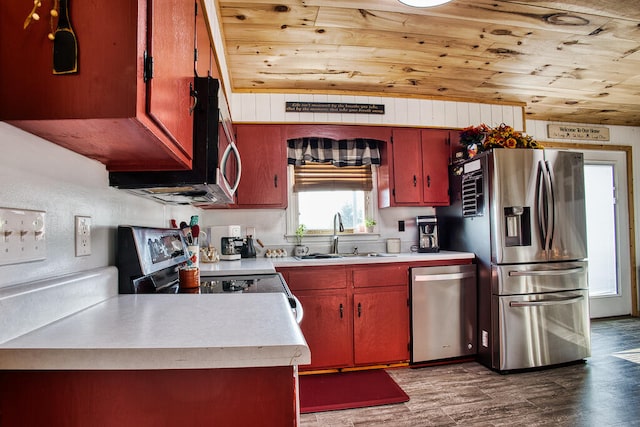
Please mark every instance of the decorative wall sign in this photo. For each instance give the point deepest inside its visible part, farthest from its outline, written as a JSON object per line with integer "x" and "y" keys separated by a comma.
{"x": 591, "y": 133}
{"x": 333, "y": 107}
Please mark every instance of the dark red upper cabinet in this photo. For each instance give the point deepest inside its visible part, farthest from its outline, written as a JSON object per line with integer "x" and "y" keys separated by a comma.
{"x": 128, "y": 104}
{"x": 414, "y": 169}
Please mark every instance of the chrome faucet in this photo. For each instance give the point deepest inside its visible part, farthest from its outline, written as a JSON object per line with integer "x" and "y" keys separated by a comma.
{"x": 336, "y": 227}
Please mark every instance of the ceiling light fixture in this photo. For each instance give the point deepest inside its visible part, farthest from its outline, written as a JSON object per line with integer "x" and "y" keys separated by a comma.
{"x": 423, "y": 3}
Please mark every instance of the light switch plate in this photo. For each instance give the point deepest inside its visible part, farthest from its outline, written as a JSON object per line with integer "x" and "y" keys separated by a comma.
{"x": 83, "y": 235}
{"x": 22, "y": 236}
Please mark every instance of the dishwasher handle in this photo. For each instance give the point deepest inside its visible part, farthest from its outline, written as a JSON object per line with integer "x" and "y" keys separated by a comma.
{"x": 442, "y": 277}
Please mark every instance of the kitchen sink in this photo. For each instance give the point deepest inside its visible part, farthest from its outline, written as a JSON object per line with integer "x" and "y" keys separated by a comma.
{"x": 369, "y": 254}
{"x": 344, "y": 255}
{"x": 319, "y": 256}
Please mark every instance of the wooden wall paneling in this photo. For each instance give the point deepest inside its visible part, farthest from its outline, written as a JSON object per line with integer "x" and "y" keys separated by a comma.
{"x": 265, "y": 108}
{"x": 263, "y": 105}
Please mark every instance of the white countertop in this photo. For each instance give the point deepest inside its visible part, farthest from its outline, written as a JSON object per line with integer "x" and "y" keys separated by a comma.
{"x": 350, "y": 260}
{"x": 264, "y": 265}
{"x": 241, "y": 266}
{"x": 184, "y": 331}
{"x": 79, "y": 321}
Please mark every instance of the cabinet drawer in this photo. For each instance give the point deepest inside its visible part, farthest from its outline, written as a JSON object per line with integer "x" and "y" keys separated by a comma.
{"x": 381, "y": 275}
{"x": 334, "y": 277}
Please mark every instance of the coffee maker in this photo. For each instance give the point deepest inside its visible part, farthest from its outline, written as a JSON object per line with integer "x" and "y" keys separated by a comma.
{"x": 427, "y": 234}
{"x": 231, "y": 248}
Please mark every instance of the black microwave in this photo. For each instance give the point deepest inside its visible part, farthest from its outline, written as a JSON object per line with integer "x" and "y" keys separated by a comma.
{"x": 216, "y": 165}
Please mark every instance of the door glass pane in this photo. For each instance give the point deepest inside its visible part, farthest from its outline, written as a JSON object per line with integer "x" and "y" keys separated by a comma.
{"x": 601, "y": 233}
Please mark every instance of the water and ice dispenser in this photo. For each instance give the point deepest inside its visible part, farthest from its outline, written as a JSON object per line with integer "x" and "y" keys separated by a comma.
{"x": 517, "y": 229}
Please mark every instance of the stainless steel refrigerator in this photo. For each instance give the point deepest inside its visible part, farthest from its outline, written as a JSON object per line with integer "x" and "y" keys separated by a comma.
{"x": 522, "y": 212}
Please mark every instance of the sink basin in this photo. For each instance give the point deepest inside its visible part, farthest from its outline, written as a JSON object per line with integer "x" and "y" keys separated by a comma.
{"x": 344, "y": 255}
{"x": 319, "y": 256}
{"x": 368, "y": 254}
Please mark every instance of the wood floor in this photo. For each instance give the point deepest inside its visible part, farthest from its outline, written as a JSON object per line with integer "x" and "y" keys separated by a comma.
{"x": 604, "y": 391}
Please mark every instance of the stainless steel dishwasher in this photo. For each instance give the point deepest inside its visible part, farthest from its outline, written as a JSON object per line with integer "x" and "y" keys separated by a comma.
{"x": 443, "y": 312}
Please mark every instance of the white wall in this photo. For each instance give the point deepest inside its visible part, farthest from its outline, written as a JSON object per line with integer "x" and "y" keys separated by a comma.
{"x": 36, "y": 174}
{"x": 264, "y": 108}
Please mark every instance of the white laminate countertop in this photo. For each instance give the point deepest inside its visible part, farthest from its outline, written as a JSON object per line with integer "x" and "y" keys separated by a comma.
{"x": 237, "y": 267}
{"x": 268, "y": 265}
{"x": 386, "y": 258}
{"x": 79, "y": 321}
{"x": 183, "y": 331}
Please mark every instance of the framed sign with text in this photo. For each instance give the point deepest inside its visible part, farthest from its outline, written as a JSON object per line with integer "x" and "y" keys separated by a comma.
{"x": 333, "y": 107}
{"x": 590, "y": 133}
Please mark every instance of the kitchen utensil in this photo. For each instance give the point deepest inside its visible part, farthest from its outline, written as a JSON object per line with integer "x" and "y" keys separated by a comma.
{"x": 195, "y": 233}
{"x": 65, "y": 43}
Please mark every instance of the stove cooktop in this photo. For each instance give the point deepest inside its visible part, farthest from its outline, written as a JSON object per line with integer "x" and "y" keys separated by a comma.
{"x": 259, "y": 283}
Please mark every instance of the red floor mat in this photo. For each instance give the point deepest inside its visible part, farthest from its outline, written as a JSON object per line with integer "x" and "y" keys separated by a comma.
{"x": 346, "y": 390}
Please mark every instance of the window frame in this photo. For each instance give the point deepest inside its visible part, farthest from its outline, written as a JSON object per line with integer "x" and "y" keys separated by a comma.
{"x": 292, "y": 214}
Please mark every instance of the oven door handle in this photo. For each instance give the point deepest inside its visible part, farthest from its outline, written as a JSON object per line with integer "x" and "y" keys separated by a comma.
{"x": 558, "y": 301}
{"x": 299, "y": 310}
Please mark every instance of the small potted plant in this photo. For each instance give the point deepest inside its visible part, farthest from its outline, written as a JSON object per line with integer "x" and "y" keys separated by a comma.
{"x": 300, "y": 250}
{"x": 369, "y": 223}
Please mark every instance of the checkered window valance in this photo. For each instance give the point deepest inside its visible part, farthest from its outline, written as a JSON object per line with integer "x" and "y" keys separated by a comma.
{"x": 344, "y": 152}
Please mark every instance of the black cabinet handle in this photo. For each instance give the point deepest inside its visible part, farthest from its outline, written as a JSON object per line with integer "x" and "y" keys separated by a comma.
{"x": 275, "y": 181}
{"x": 428, "y": 180}
{"x": 415, "y": 181}
{"x": 341, "y": 311}
{"x": 359, "y": 309}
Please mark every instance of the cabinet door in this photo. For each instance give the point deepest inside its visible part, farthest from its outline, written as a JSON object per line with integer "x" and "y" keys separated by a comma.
{"x": 407, "y": 167}
{"x": 435, "y": 160}
{"x": 171, "y": 45}
{"x": 326, "y": 328}
{"x": 263, "y": 183}
{"x": 381, "y": 326}
{"x": 105, "y": 111}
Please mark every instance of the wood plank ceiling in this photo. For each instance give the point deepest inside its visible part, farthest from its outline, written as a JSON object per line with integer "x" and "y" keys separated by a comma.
{"x": 575, "y": 60}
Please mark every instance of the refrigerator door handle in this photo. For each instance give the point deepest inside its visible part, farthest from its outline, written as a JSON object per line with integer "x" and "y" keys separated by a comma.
{"x": 540, "y": 205}
{"x": 558, "y": 301}
{"x": 564, "y": 271}
{"x": 551, "y": 207}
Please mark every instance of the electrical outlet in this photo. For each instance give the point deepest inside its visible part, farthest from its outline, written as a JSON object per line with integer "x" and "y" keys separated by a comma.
{"x": 83, "y": 235}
